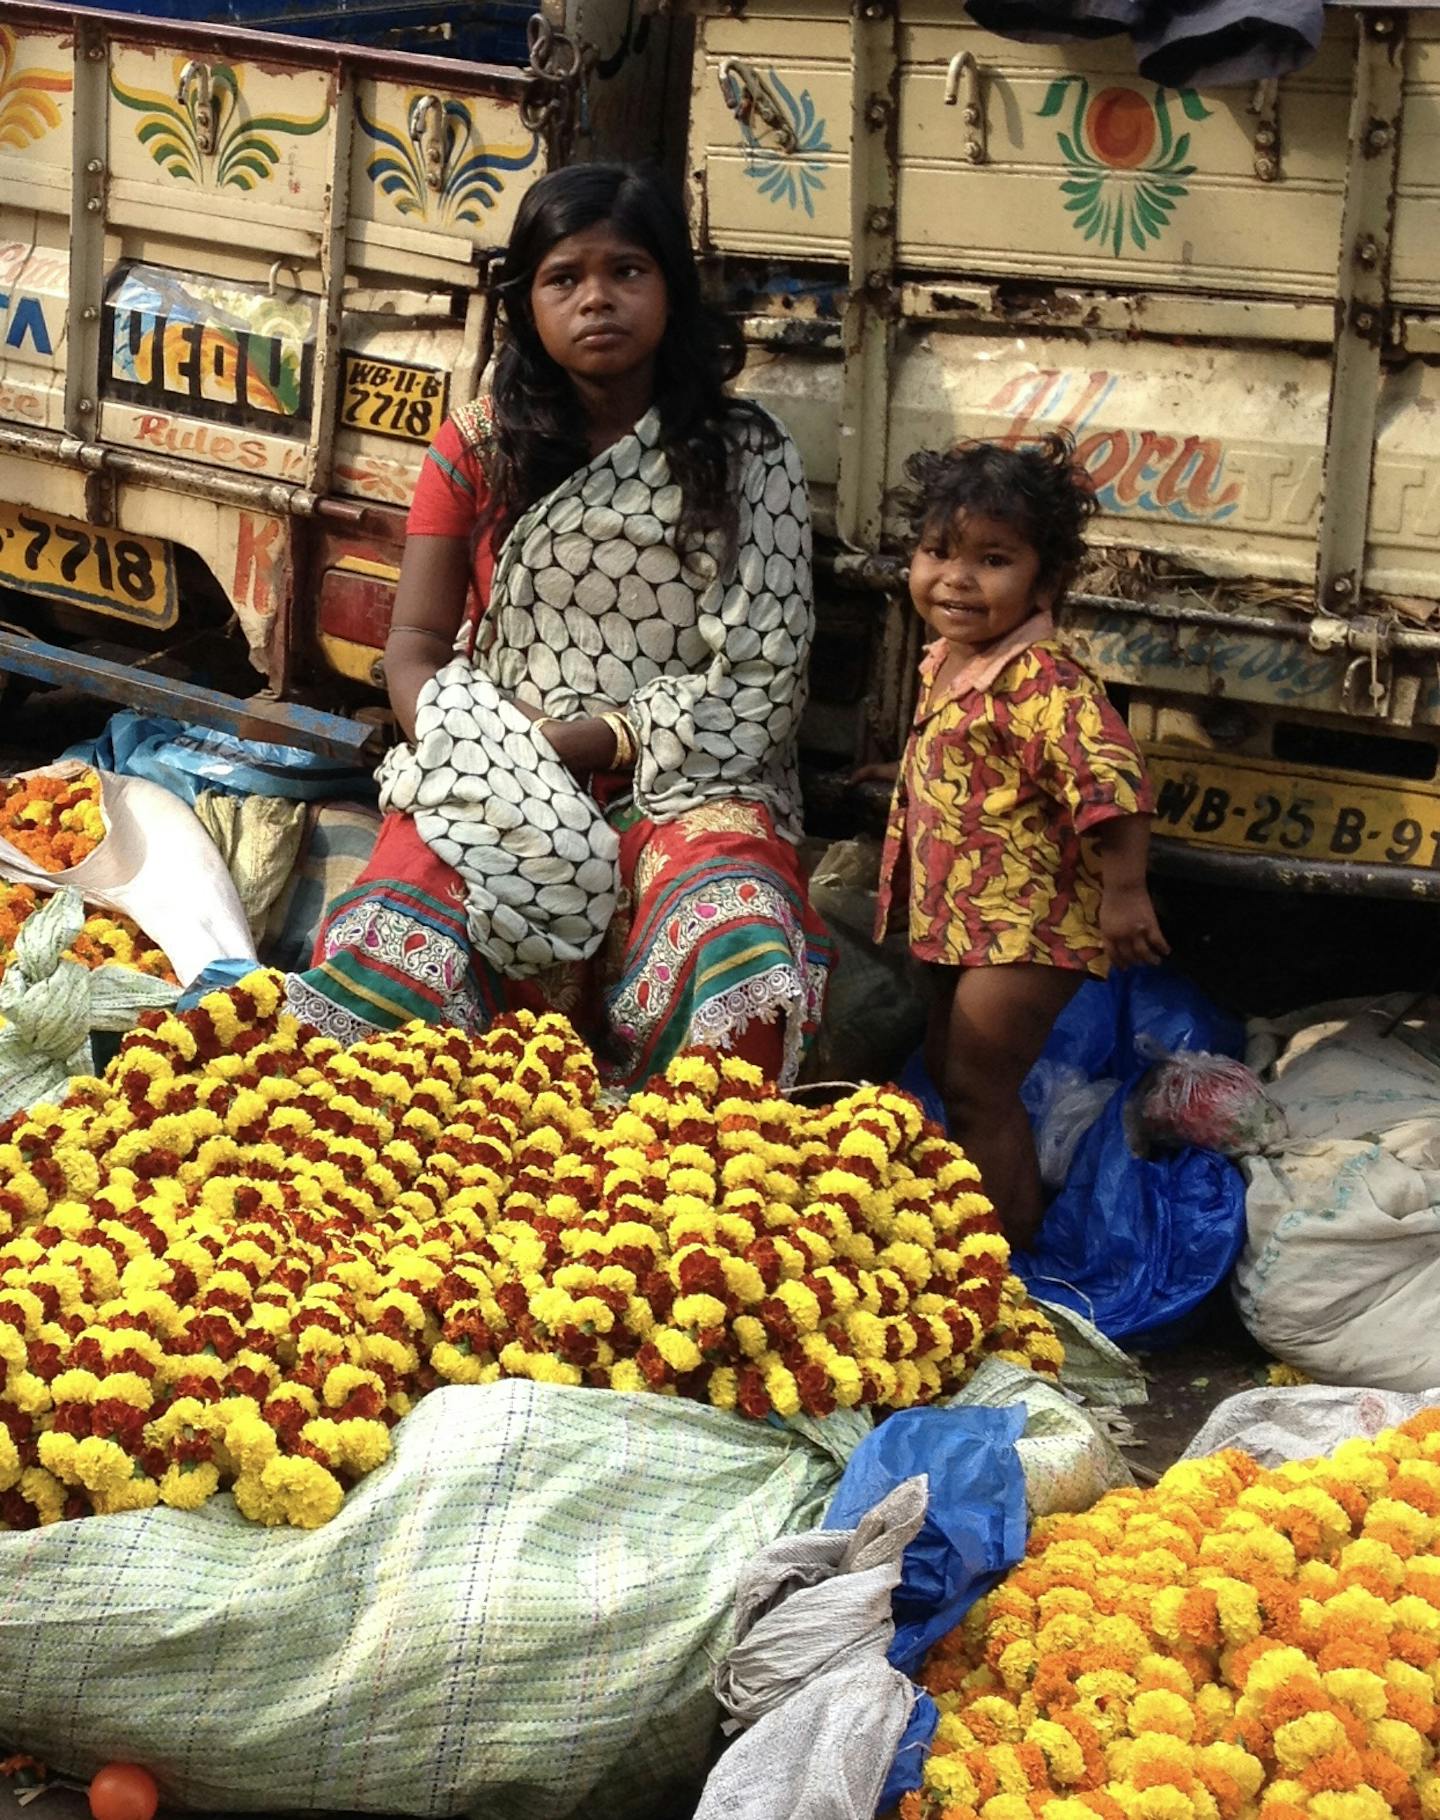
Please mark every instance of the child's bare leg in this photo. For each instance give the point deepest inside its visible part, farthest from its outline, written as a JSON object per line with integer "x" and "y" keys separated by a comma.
{"x": 990, "y": 1034}
{"x": 941, "y": 983}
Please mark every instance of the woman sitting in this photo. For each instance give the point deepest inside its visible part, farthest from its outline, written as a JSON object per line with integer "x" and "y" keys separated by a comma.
{"x": 623, "y": 551}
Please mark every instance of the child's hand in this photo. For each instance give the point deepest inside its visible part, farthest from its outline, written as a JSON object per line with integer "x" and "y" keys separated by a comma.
{"x": 1129, "y": 927}
{"x": 884, "y": 773}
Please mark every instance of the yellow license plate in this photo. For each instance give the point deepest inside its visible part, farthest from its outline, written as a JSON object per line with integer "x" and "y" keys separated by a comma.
{"x": 390, "y": 399}
{"x": 1254, "y": 805}
{"x": 93, "y": 566}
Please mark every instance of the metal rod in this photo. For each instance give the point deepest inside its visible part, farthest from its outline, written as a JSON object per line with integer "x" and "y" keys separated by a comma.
{"x": 177, "y": 476}
{"x": 256, "y": 718}
{"x": 1359, "y": 634}
{"x": 882, "y": 574}
{"x": 1362, "y": 300}
{"x": 1269, "y": 872}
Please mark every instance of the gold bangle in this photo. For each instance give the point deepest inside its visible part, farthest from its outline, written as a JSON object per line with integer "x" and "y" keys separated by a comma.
{"x": 625, "y": 742}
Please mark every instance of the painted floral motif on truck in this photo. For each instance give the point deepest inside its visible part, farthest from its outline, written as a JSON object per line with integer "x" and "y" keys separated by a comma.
{"x": 1127, "y": 169}
{"x": 208, "y": 136}
{"x": 26, "y": 111}
{"x": 783, "y": 135}
{"x": 439, "y": 168}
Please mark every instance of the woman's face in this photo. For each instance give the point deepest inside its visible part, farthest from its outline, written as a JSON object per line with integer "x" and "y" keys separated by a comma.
{"x": 600, "y": 305}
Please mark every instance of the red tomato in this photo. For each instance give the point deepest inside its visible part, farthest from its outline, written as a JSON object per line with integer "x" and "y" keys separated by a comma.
{"x": 123, "y": 1791}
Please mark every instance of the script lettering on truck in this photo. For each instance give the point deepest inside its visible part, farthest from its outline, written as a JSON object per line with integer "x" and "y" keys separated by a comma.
{"x": 22, "y": 319}
{"x": 1132, "y": 470}
{"x": 202, "y": 348}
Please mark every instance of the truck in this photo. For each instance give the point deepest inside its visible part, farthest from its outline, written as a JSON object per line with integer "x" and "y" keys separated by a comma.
{"x": 1231, "y": 300}
{"x": 242, "y": 278}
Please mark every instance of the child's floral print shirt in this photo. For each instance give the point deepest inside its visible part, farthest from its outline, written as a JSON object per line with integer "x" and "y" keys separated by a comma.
{"x": 997, "y": 787}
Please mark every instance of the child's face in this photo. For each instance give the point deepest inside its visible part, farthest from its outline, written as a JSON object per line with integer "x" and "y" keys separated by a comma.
{"x": 974, "y": 579}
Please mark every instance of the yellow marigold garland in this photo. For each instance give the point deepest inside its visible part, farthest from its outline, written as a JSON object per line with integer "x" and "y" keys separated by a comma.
{"x": 108, "y": 938}
{"x": 1231, "y": 1643}
{"x": 238, "y": 1258}
{"x": 54, "y": 821}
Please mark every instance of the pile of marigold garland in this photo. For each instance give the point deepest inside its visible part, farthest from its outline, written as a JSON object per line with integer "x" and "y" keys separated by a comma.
{"x": 1233, "y": 1642}
{"x": 239, "y": 1257}
{"x": 54, "y": 821}
{"x": 108, "y": 938}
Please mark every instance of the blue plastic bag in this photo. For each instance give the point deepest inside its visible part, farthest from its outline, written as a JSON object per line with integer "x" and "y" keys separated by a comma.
{"x": 186, "y": 760}
{"x": 219, "y": 976}
{"x": 1135, "y": 1245}
{"x": 908, "y": 1767}
{"x": 974, "y": 1528}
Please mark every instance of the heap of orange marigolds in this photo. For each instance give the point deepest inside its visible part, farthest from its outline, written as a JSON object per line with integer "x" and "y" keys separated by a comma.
{"x": 1231, "y": 1643}
{"x": 108, "y": 938}
{"x": 54, "y": 821}
{"x": 240, "y": 1256}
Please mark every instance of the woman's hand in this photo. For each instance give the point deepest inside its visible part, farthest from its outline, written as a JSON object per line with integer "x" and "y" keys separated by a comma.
{"x": 1129, "y": 927}
{"x": 884, "y": 772}
{"x": 582, "y": 745}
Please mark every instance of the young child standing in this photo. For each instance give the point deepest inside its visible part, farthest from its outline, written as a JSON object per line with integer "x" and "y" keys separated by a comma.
{"x": 1021, "y": 808}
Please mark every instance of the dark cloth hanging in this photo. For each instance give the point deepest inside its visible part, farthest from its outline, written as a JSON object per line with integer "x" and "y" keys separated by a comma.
{"x": 1220, "y": 43}
{"x": 1178, "y": 43}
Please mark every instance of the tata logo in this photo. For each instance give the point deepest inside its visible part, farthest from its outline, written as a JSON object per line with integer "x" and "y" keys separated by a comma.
{"x": 23, "y": 327}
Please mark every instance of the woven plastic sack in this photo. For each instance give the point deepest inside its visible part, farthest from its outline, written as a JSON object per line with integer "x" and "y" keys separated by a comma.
{"x": 49, "y": 1005}
{"x": 1341, "y": 1271}
{"x": 1275, "y": 1423}
{"x": 1065, "y": 1454}
{"x": 516, "y": 1617}
{"x": 808, "y": 1674}
{"x": 259, "y": 838}
{"x": 339, "y": 839}
{"x": 1095, "y": 1372}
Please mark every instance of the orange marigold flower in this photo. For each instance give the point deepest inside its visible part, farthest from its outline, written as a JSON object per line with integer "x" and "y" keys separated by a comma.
{"x": 1200, "y": 1618}
{"x": 1106, "y": 1806}
{"x": 1338, "y": 1769}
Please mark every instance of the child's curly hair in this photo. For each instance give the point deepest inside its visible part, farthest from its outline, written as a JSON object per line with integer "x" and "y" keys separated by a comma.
{"x": 1037, "y": 488}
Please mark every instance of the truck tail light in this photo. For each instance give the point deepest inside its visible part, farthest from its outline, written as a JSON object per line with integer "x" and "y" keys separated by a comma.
{"x": 353, "y": 610}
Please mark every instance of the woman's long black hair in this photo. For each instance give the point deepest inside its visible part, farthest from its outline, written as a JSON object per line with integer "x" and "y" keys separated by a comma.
{"x": 539, "y": 434}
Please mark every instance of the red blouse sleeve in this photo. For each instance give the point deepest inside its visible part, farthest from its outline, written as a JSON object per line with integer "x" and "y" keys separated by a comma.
{"x": 448, "y": 499}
